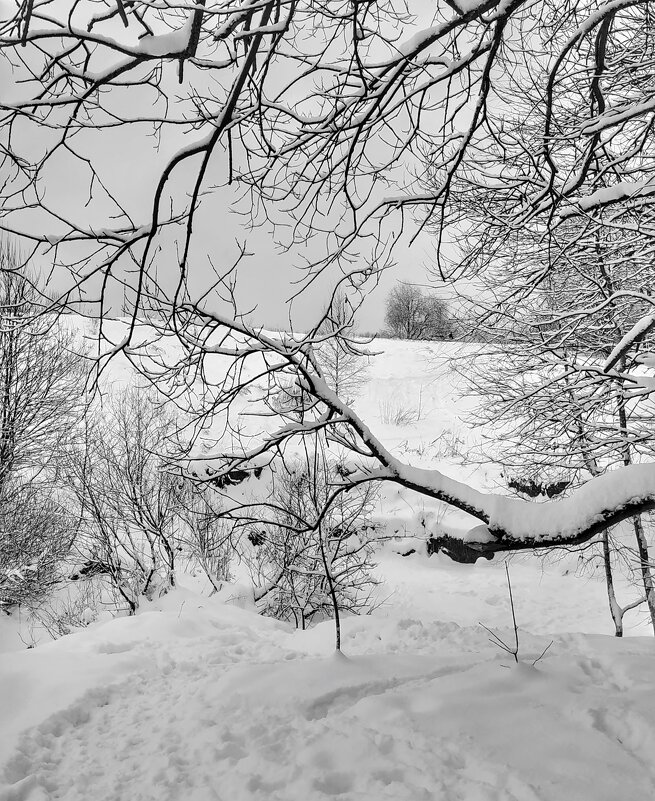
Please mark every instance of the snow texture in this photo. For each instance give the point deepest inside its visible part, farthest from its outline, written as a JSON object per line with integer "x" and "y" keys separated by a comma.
{"x": 199, "y": 698}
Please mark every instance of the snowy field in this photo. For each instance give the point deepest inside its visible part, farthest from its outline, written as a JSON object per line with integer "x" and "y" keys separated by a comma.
{"x": 198, "y": 698}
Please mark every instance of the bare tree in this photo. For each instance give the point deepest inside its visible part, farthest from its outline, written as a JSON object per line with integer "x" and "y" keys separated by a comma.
{"x": 42, "y": 400}
{"x": 567, "y": 401}
{"x": 414, "y": 315}
{"x": 342, "y": 355}
{"x": 42, "y": 376}
{"x": 205, "y": 534}
{"x": 129, "y": 501}
{"x": 37, "y": 532}
{"x": 618, "y": 612}
{"x": 313, "y": 558}
{"x": 319, "y": 118}
{"x": 313, "y": 114}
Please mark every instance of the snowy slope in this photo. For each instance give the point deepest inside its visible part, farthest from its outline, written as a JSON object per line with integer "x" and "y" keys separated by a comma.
{"x": 198, "y": 699}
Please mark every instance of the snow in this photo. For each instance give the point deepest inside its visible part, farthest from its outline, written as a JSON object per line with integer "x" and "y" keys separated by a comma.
{"x": 619, "y": 191}
{"x": 419, "y": 40}
{"x": 614, "y": 116}
{"x": 644, "y": 382}
{"x": 520, "y": 521}
{"x": 162, "y": 44}
{"x": 469, "y": 6}
{"x": 200, "y": 698}
{"x": 634, "y": 335}
{"x": 569, "y": 516}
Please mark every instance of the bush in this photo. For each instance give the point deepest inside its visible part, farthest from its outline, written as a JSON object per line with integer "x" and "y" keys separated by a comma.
{"x": 129, "y": 501}
{"x": 308, "y": 566}
{"x": 42, "y": 401}
{"x": 35, "y": 537}
{"x": 205, "y": 533}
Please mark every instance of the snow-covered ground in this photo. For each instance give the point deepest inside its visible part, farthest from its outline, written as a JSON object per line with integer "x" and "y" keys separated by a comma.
{"x": 198, "y": 698}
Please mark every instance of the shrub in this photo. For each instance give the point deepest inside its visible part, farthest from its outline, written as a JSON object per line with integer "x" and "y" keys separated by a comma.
{"x": 308, "y": 564}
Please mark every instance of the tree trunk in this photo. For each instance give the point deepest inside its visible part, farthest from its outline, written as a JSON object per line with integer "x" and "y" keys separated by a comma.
{"x": 615, "y": 608}
{"x": 644, "y": 564}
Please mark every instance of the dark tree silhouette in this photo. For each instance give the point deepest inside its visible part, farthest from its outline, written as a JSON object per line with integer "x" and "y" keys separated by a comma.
{"x": 413, "y": 315}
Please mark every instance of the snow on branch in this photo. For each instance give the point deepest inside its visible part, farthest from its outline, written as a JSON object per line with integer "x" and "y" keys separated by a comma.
{"x": 634, "y": 336}
{"x": 624, "y": 190}
{"x": 505, "y": 523}
{"x": 163, "y": 44}
{"x": 513, "y": 524}
{"x": 598, "y": 504}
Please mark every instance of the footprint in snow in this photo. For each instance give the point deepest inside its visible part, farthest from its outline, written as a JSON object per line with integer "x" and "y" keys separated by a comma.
{"x": 334, "y": 783}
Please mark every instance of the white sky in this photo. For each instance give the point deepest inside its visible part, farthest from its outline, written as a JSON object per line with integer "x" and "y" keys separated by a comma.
{"x": 130, "y": 165}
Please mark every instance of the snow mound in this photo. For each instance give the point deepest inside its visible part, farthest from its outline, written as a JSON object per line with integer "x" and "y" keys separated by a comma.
{"x": 200, "y": 700}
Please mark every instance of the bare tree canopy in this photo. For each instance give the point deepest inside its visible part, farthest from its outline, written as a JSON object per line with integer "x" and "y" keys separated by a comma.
{"x": 313, "y": 111}
{"x": 323, "y": 119}
{"x": 41, "y": 404}
{"x": 413, "y": 315}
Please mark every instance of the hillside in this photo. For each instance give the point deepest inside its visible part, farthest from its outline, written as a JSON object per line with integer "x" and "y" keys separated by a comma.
{"x": 201, "y": 698}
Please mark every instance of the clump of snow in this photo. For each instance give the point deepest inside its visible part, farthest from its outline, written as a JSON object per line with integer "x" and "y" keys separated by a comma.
{"x": 468, "y": 6}
{"x": 647, "y": 359}
{"x": 479, "y": 533}
{"x": 176, "y": 41}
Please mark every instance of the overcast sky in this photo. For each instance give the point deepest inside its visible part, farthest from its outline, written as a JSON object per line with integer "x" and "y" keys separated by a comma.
{"x": 130, "y": 166}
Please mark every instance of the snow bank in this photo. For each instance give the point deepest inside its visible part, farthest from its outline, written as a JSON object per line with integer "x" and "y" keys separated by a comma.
{"x": 198, "y": 700}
